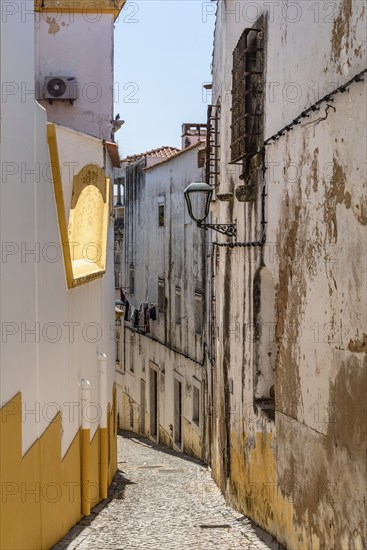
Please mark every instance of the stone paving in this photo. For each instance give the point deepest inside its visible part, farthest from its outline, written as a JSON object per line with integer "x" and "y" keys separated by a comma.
{"x": 163, "y": 500}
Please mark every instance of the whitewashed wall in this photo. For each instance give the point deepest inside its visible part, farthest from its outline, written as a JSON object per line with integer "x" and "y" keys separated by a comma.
{"x": 34, "y": 295}
{"x": 173, "y": 253}
{"x": 78, "y": 45}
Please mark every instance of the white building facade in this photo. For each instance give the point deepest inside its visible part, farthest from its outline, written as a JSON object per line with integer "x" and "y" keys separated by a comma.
{"x": 58, "y": 401}
{"x": 161, "y": 369}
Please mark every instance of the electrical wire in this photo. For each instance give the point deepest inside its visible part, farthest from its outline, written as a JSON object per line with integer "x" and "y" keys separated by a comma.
{"x": 328, "y": 98}
{"x": 315, "y": 107}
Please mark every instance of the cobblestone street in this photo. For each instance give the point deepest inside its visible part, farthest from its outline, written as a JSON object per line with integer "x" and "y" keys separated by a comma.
{"x": 161, "y": 499}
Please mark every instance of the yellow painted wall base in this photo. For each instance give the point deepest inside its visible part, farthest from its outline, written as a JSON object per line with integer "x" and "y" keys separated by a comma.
{"x": 254, "y": 489}
{"x": 104, "y": 462}
{"x": 86, "y": 499}
{"x": 41, "y": 489}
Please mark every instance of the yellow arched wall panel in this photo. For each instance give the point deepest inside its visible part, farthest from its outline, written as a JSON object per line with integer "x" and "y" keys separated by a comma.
{"x": 40, "y": 488}
{"x": 84, "y": 240}
{"x": 88, "y": 221}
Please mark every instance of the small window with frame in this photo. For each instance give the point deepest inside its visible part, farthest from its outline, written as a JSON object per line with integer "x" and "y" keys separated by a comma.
{"x": 161, "y": 296}
{"x": 117, "y": 344}
{"x": 196, "y": 402}
{"x": 161, "y": 219}
{"x": 198, "y": 314}
{"x": 131, "y": 354}
{"x": 131, "y": 279}
{"x": 161, "y": 212}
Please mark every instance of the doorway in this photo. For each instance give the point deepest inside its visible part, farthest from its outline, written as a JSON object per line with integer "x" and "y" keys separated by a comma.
{"x": 177, "y": 434}
{"x": 153, "y": 403}
{"x": 142, "y": 407}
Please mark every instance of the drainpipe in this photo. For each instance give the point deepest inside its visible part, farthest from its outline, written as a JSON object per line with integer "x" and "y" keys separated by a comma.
{"x": 85, "y": 397}
{"x": 102, "y": 359}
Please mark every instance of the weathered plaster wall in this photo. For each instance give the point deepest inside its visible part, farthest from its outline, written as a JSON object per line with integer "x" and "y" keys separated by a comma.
{"x": 173, "y": 253}
{"x": 303, "y": 475}
{"x": 142, "y": 354}
{"x": 78, "y": 45}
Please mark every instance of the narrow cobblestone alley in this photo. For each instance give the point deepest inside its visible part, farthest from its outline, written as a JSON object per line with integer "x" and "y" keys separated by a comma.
{"x": 161, "y": 499}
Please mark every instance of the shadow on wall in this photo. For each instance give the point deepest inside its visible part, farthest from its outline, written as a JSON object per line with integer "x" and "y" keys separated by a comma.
{"x": 265, "y": 343}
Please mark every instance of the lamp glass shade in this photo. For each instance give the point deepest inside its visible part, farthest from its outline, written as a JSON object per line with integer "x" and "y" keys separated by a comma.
{"x": 198, "y": 196}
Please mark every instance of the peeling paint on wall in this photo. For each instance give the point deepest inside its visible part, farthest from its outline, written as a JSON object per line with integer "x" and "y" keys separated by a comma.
{"x": 302, "y": 475}
{"x": 54, "y": 27}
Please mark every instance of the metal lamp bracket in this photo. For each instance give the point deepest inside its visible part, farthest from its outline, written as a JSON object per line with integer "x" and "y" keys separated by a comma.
{"x": 229, "y": 229}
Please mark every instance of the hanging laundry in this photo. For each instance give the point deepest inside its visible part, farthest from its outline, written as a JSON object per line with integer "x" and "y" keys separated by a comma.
{"x": 123, "y": 297}
{"x": 127, "y": 310}
{"x": 153, "y": 313}
{"x": 135, "y": 318}
{"x": 146, "y": 318}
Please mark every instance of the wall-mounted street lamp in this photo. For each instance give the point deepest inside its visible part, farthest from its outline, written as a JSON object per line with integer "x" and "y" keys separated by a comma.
{"x": 198, "y": 197}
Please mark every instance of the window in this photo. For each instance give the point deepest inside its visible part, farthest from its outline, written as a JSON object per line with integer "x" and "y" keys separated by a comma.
{"x": 196, "y": 403}
{"x": 201, "y": 158}
{"x": 117, "y": 344}
{"x": 178, "y": 306}
{"x": 153, "y": 399}
{"x": 198, "y": 314}
{"x": 161, "y": 212}
{"x": 132, "y": 280}
{"x": 247, "y": 93}
{"x": 161, "y": 296}
{"x": 131, "y": 354}
{"x": 177, "y": 409}
{"x": 117, "y": 263}
{"x": 161, "y": 215}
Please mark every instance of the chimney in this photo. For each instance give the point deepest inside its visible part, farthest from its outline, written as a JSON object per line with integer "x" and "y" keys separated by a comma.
{"x": 192, "y": 133}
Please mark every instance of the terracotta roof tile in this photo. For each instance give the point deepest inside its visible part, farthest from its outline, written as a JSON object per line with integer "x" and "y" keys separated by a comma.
{"x": 177, "y": 154}
{"x": 165, "y": 152}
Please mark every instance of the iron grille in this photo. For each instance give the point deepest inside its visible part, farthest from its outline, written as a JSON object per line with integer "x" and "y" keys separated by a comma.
{"x": 247, "y": 94}
{"x": 212, "y": 146}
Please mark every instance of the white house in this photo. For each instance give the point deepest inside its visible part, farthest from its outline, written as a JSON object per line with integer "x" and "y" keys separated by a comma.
{"x": 58, "y": 402}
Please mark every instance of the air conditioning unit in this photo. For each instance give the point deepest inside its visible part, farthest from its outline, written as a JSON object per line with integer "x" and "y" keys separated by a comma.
{"x": 64, "y": 88}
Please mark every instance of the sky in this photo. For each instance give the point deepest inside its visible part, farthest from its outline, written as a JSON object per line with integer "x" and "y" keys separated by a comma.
{"x": 163, "y": 52}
